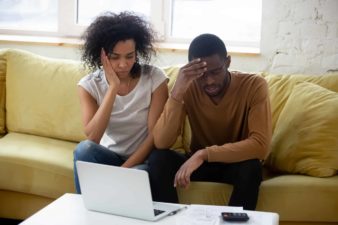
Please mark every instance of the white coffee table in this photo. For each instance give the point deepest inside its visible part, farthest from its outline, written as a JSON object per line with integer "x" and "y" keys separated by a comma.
{"x": 69, "y": 210}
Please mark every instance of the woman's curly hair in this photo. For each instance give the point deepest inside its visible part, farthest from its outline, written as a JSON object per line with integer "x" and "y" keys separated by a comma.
{"x": 110, "y": 28}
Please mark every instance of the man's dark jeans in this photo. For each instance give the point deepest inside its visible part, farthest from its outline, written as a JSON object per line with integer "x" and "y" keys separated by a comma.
{"x": 245, "y": 176}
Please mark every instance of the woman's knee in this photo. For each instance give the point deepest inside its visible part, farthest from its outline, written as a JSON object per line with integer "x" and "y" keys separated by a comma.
{"x": 84, "y": 149}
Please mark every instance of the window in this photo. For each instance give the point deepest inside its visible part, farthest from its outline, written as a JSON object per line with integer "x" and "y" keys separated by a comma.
{"x": 89, "y": 9}
{"x": 237, "y": 22}
{"x": 38, "y": 15}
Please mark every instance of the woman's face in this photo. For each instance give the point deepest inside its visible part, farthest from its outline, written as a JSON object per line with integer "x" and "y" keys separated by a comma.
{"x": 123, "y": 57}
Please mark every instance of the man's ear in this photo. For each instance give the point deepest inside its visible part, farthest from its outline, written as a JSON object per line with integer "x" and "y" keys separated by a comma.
{"x": 227, "y": 61}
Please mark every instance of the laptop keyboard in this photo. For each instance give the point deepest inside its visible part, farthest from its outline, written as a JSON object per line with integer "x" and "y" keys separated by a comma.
{"x": 158, "y": 212}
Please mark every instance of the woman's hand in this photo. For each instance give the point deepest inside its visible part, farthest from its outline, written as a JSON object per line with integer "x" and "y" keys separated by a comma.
{"x": 110, "y": 74}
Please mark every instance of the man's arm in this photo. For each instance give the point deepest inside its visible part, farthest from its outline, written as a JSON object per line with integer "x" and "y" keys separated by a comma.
{"x": 257, "y": 145}
{"x": 169, "y": 126}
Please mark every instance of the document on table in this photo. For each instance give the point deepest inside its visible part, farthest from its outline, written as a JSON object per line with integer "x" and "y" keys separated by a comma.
{"x": 204, "y": 215}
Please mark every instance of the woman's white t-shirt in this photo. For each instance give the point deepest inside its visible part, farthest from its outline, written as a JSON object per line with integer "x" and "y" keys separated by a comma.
{"x": 128, "y": 126}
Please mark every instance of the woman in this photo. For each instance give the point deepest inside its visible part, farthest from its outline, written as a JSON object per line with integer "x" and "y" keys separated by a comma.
{"x": 122, "y": 99}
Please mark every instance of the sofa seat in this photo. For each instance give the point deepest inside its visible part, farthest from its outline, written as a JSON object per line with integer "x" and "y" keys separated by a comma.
{"x": 18, "y": 205}
{"x": 294, "y": 199}
{"x": 289, "y": 195}
{"x": 36, "y": 165}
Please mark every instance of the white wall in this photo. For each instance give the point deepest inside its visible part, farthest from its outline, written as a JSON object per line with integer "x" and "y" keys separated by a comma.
{"x": 298, "y": 36}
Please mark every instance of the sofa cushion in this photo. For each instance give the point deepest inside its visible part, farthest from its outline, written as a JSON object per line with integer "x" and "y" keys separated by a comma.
{"x": 36, "y": 165}
{"x": 300, "y": 198}
{"x": 208, "y": 193}
{"x": 41, "y": 96}
{"x": 18, "y": 205}
{"x": 280, "y": 87}
{"x": 305, "y": 137}
{"x": 292, "y": 196}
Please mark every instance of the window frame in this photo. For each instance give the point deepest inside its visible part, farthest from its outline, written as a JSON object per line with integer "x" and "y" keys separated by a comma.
{"x": 68, "y": 27}
{"x": 160, "y": 18}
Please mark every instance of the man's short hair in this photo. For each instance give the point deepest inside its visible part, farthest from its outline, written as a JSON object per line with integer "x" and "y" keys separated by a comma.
{"x": 206, "y": 45}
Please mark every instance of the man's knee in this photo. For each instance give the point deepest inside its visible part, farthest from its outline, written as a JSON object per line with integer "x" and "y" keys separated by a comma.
{"x": 158, "y": 157}
{"x": 163, "y": 155}
{"x": 164, "y": 161}
{"x": 251, "y": 170}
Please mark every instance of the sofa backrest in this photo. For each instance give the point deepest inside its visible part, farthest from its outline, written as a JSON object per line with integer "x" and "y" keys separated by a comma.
{"x": 305, "y": 124}
{"x": 281, "y": 86}
{"x": 41, "y": 95}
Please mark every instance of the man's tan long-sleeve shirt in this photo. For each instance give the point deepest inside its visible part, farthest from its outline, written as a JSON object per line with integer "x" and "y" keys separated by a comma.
{"x": 236, "y": 129}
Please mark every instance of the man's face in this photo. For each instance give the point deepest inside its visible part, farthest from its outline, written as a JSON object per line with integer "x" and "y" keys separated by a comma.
{"x": 214, "y": 80}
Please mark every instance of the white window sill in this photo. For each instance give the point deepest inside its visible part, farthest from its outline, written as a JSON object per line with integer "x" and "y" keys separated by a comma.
{"x": 75, "y": 42}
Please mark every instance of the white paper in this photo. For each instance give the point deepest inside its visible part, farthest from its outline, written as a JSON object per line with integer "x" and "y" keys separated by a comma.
{"x": 204, "y": 214}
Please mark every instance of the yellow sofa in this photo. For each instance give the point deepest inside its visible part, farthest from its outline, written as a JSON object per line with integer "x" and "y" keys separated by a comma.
{"x": 40, "y": 126}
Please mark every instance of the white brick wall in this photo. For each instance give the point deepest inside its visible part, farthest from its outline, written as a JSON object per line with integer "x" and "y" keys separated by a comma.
{"x": 306, "y": 40}
{"x": 298, "y": 36}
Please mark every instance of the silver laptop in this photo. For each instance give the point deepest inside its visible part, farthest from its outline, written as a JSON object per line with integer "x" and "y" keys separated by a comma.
{"x": 120, "y": 191}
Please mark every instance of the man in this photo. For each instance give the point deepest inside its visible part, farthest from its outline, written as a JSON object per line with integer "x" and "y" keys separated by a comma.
{"x": 230, "y": 119}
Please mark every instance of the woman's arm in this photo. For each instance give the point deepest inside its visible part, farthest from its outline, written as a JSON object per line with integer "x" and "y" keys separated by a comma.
{"x": 95, "y": 118}
{"x": 158, "y": 99}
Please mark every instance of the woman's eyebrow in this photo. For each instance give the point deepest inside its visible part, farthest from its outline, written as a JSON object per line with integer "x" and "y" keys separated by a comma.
{"x": 117, "y": 54}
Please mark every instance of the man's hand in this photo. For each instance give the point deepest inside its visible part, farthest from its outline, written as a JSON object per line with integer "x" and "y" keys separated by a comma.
{"x": 187, "y": 74}
{"x": 110, "y": 74}
{"x": 182, "y": 178}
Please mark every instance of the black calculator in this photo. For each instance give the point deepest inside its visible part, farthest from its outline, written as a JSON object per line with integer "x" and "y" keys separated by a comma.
{"x": 235, "y": 216}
